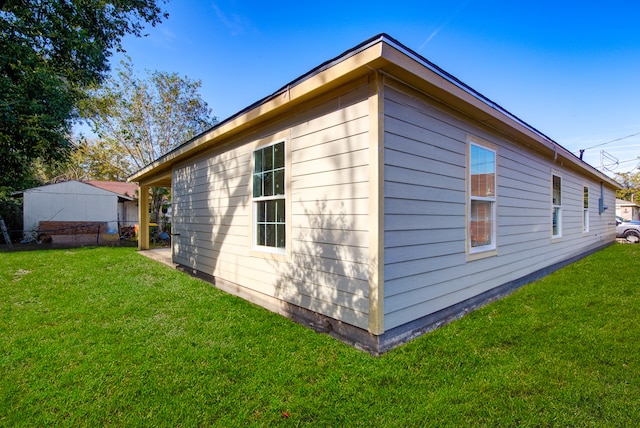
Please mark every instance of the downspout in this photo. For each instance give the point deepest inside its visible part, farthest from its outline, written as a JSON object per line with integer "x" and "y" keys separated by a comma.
{"x": 601, "y": 206}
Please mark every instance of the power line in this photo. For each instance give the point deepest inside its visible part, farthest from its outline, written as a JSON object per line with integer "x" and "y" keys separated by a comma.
{"x": 630, "y": 160}
{"x": 612, "y": 141}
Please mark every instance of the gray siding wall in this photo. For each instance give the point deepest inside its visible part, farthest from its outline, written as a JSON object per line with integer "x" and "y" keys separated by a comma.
{"x": 326, "y": 266}
{"x": 426, "y": 266}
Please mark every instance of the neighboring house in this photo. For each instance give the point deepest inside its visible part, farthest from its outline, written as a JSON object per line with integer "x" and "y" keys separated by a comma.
{"x": 627, "y": 210}
{"x": 72, "y": 202}
{"x": 377, "y": 197}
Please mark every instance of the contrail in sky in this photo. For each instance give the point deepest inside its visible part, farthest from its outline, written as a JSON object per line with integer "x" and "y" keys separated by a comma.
{"x": 437, "y": 30}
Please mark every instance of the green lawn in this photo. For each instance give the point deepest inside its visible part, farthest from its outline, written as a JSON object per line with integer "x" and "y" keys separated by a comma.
{"x": 105, "y": 337}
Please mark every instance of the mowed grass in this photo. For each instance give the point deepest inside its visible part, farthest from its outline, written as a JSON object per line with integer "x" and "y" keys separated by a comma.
{"x": 105, "y": 337}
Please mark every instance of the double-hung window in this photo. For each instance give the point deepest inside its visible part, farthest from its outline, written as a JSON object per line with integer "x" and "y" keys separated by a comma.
{"x": 556, "y": 203}
{"x": 585, "y": 209}
{"x": 269, "y": 198}
{"x": 482, "y": 198}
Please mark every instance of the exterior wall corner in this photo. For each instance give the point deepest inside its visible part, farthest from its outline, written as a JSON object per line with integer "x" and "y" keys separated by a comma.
{"x": 376, "y": 203}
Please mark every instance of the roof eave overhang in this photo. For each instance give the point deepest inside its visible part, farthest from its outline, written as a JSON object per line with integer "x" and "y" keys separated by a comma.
{"x": 343, "y": 71}
{"x": 408, "y": 67}
{"x": 385, "y": 55}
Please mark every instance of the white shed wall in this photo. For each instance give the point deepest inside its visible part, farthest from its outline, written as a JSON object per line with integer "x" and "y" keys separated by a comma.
{"x": 426, "y": 267}
{"x": 326, "y": 266}
{"x": 69, "y": 201}
{"x": 128, "y": 213}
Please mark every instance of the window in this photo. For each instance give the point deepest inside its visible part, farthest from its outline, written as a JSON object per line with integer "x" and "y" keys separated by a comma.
{"x": 556, "y": 214}
{"x": 482, "y": 198}
{"x": 585, "y": 210}
{"x": 269, "y": 196}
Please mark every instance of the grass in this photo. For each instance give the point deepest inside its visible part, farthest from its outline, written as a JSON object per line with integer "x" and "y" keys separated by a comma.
{"x": 105, "y": 337}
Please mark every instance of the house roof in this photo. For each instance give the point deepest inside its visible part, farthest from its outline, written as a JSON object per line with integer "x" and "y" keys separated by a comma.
{"x": 387, "y": 56}
{"x": 122, "y": 189}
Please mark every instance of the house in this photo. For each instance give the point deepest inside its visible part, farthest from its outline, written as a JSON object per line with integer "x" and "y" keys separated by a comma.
{"x": 627, "y": 210}
{"x": 377, "y": 197}
{"x": 73, "y": 203}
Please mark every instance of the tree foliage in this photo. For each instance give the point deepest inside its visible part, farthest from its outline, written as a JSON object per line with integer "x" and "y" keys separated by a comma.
{"x": 144, "y": 118}
{"x": 88, "y": 160}
{"x": 51, "y": 52}
{"x": 147, "y": 117}
{"x": 630, "y": 182}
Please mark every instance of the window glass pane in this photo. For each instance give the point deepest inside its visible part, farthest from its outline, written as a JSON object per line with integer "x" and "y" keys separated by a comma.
{"x": 257, "y": 185}
{"x": 586, "y": 197}
{"x": 257, "y": 161}
{"x": 280, "y": 236}
{"x": 271, "y": 211}
{"x": 481, "y": 223}
{"x": 268, "y": 184}
{"x": 271, "y": 235}
{"x": 278, "y": 182}
{"x": 483, "y": 168}
{"x": 556, "y": 221}
{"x": 260, "y": 232}
{"x": 267, "y": 161}
{"x": 280, "y": 211}
{"x": 278, "y": 156}
{"x": 261, "y": 212}
{"x": 557, "y": 191}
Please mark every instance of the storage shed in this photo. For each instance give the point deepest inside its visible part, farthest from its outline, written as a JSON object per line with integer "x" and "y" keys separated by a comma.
{"x": 377, "y": 197}
{"x": 73, "y": 201}
{"x": 627, "y": 210}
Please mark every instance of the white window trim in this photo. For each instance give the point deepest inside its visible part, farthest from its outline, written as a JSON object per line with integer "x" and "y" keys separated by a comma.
{"x": 485, "y": 249}
{"x": 254, "y": 206}
{"x": 556, "y": 206}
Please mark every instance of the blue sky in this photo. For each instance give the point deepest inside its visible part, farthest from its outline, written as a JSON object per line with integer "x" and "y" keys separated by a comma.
{"x": 571, "y": 69}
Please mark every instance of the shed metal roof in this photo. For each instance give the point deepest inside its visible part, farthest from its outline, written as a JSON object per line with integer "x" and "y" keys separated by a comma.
{"x": 122, "y": 189}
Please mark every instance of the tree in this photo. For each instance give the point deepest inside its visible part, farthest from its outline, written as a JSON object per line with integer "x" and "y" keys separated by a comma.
{"x": 89, "y": 160}
{"x": 630, "y": 182}
{"x": 51, "y": 52}
{"x": 147, "y": 117}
